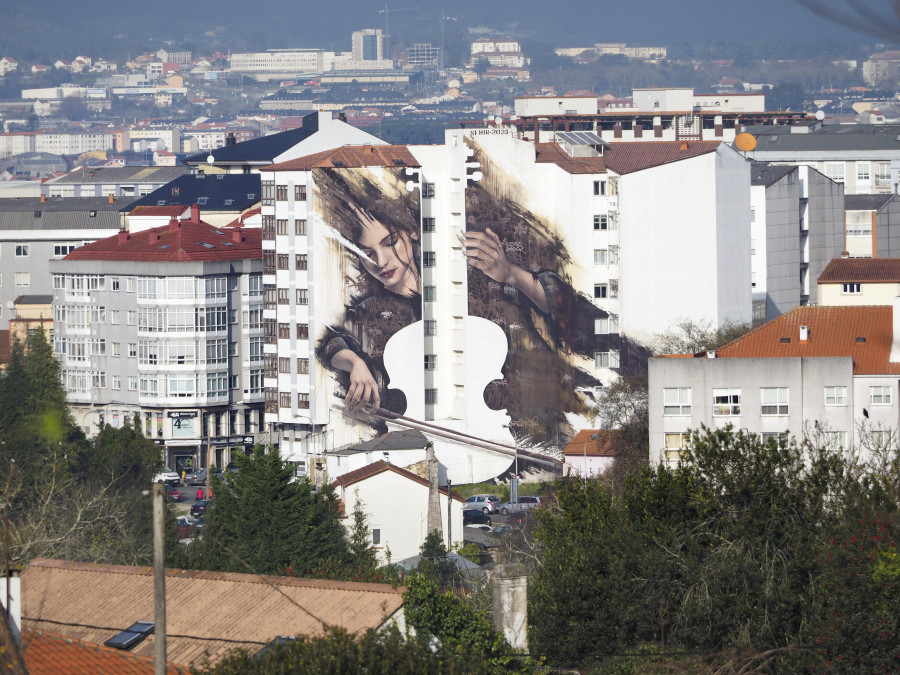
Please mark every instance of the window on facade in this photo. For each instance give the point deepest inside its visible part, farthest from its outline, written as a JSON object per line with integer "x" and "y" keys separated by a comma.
{"x": 300, "y": 228}
{"x": 23, "y": 279}
{"x": 132, "y": 383}
{"x": 428, "y": 224}
{"x": 880, "y": 395}
{"x": 215, "y": 287}
{"x": 303, "y": 401}
{"x": 303, "y": 331}
{"x": 773, "y": 401}
{"x": 281, "y": 226}
{"x": 835, "y": 171}
{"x": 601, "y": 290}
{"x": 284, "y": 365}
{"x": 23, "y": 250}
{"x": 835, "y": 395}
{"x": 302, "y": 296}
{"x": 284, "y": 330}
{"x": 430, "y": 327}
{"x": 284, "y": 296}
{"x": 608, "y": 359}
{"x": 430, "y": 361}
{"x": 303, "y": 366}
{"x": 677, "y": 401}
{"x": 281, "y": 193}
{"x": 300, "y": 261}
{"x": 862, "y": 171}
{"x": 599, "y": 187}
{"x": 675, "y": 443}
{"x": 836, "y": 440}
{"x": 851, "y": 288}
{"x": 726, "y": 402}
{"x": 284, "y": 399}
{"x": 606, "y": 325}
{"x": 428, "y": 258}
{"x": 63, "y": 249}
{"x": 431, "y": 397}
{"x": 300, "y": 193}
{"x": 429, "y": 293}
{"x": 601, "y": 256}
{"x": 882, "y": 439}
{"x": 601, "y": 222}
{"x": 427, "y": 190}
{"x": 268, "y": 192}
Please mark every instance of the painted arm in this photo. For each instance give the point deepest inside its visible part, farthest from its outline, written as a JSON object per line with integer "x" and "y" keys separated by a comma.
{"x": 363, "y": 389}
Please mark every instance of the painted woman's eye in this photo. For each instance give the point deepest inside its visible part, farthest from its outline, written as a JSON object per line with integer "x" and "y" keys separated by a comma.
{"x": 392, "y": 240}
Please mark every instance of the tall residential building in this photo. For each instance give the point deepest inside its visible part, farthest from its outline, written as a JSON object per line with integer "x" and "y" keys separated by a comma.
{"x": 487, "y": 287}
{"x": 166, "y": 326}
{"x": 368, "y": 45}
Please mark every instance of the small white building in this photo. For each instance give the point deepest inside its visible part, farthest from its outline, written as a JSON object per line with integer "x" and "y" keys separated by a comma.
{"x": 860, "y": 281}
{"x": 396, "y": 505}
{"x": 828, "y": 374}
{"x": 590, "y": 453}
{"x": 400, "y": 448}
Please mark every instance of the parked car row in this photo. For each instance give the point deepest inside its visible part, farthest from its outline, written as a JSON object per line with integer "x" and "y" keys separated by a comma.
{"x": 488, "y": 504}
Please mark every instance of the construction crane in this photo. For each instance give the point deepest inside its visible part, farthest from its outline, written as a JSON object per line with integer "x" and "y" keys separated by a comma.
{"x": 387, "y": 24}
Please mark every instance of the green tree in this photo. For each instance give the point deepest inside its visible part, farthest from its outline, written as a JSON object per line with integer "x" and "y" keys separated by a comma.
{"x": 123, "y": 455}
{"x": 265, "y": 521}
{"x": 375, "y": 652}
{"x": 362, "y": 552}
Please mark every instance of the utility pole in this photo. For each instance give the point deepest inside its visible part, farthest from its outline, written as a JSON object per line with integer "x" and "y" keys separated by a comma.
{"x": 449, "y": 515}
{"x": 159, "y": 580}
{"x": 6, "y": 506}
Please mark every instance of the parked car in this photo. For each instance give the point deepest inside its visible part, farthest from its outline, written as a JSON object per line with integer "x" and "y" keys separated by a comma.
{"x": 172, "y": 494}
{"x": 484, "y": 503}
{"x": 475, "y": 517}
{"x": 199, "y": 507}
{"x": 199, "y": 477}
{"x": 168, "y": 477}
{"x": 525, "y": 503}
{"x": 183, "y": 525}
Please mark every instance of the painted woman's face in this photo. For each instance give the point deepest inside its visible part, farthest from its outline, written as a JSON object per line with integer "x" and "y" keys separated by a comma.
{"x": 390, "y": 256}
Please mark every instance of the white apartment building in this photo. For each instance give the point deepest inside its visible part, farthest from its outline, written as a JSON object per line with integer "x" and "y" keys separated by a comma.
{"x": 165, "y": 326}
{"x": 279, "y": 61}
{"x": 797, "y": 228}
{"x": 855, "y": 282}
{"x": 828, "y": 374}
{"x": 596, "y": 267}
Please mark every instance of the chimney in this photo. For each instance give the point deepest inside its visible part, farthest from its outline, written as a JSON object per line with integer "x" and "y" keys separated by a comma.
{"x": 122, "y": 237}
{"x": 434, "y": 495}
{"x": 711, "y": 354}
{"x": 43, "y": 198}
{"x": 845, "y": 254}
{"x": 195, "y": 213}
{"x": 111, "y": 199}
{"x": 804, "y": 333}
{"x": 154, "y": 235}
{"x": 683, "y": 146}
{"x": 174, "y": 224}
{"x": 236, "y": 235}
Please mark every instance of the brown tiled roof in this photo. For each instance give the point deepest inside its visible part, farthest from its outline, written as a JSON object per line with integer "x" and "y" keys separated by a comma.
{"x": 586, "y": 443}
{"x": 630, "y": 157}
{"x": 552, "y": 153}
{"x": 207, "y": 613}
{"x": 350, "y": 156}
{"x": 877, "y": 270}
{"x": 863, "y": 333}
{"x": 375, "y": 468}
{"x": 170, "y": 211}
{"x": 54, "y": 654}
{"x": 183, "y": 241}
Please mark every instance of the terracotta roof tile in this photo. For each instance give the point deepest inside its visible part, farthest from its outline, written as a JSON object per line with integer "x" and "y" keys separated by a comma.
{"x": 630, "y": 157}
{"x": 92, "y": 602}
{"x": 375, "y": 468}
{"x": 350, "y": 156}
{"x": 552, "y": 153}
{"x": 877, "y": 270}
{"x": 593, "y": 443}
{"x": 863, "y": 333}
{"x": 183, "y": 241}
{"x": 53, "y": 654}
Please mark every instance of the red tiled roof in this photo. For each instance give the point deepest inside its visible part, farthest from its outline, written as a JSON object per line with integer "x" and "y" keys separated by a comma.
{"x": 172, "y": 211}
{"x": 630, "y": 157}
{"x": 552, "y": 153}
{"x": 183, "y": 241}
{"x": 375, "y": 468}
{"x": 878, "y": 270}
{"x": 863, "y": 333}
{"x": 593, "y": 443}
{"x": 350, "y": 156}
{"x": 52, "y": 654}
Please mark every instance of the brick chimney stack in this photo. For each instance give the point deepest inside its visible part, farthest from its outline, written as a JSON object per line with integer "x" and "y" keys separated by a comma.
{"x": 195, "y": 213}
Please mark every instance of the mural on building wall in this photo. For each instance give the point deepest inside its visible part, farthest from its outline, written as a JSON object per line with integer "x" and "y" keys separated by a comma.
{"x": 520, "y": 277}
{"x": 370, "y": 224}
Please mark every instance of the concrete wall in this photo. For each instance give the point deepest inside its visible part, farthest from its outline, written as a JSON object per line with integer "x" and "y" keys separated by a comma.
{"x": 825, "y": 222}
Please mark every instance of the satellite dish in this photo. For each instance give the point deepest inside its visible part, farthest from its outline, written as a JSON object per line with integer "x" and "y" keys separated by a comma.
{"x": 745, "y": 142}
{"x": 210, "y": 160}
{"x": 820, "y": 115}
